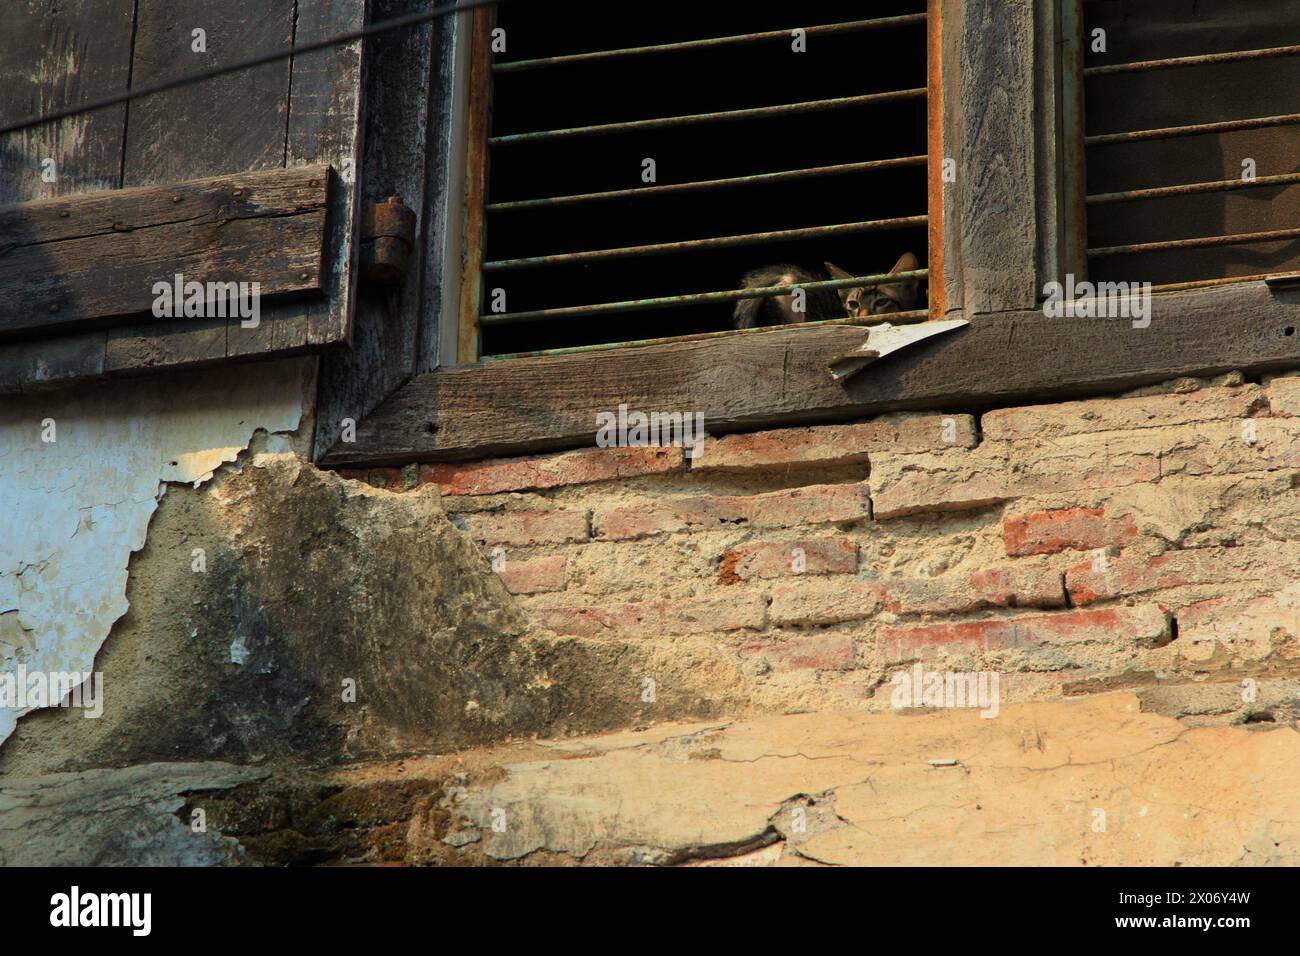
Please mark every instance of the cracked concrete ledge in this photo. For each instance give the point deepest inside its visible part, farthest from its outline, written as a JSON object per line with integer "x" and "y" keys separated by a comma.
{"x": 1087, "y": 782}
{"x": 126, "y": 817}
{"x": 1095, "y": 781}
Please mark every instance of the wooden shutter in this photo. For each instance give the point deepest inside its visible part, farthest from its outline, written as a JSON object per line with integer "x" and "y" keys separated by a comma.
{"x": 245, "y": 176}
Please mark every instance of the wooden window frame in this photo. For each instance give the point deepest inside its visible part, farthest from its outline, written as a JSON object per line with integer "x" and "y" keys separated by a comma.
{"x": 1004, "y": 107}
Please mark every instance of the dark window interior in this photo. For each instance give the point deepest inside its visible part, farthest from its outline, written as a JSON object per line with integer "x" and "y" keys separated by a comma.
{"x": 1141, "y": 30}
{"x": 758, "y": 74}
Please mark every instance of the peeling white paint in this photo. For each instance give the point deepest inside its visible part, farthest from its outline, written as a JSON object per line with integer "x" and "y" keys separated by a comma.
{"x": 73, "y": 510}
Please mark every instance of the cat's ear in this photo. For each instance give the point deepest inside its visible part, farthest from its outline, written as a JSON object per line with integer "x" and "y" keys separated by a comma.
{"x": 904, "y": 293}
{"x": 836, "y": 272}
{"x": 906, "y": 263}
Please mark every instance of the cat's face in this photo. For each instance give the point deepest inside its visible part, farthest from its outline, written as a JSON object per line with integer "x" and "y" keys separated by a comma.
{"x": 860, "y": 303}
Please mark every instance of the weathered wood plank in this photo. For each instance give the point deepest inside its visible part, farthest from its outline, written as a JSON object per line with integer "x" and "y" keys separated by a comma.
{"x": 68, "y": 261}
{"x": 386, "y": 319}
{"x": 326, "y": 103}
{"x": 996, "y": 157}
{"x": 56, "y": 56}
{"x": 780, "y": 377}
{"x": 442, "y": 239}
{"x": 231, "y": 124}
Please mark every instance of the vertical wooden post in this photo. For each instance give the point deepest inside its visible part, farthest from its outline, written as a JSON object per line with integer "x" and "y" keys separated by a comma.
{"x": 476, "y": 178}
{"x": 935, "y": 155}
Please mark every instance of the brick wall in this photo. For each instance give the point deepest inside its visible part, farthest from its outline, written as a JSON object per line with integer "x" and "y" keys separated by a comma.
{"x": 1143, "y": 540}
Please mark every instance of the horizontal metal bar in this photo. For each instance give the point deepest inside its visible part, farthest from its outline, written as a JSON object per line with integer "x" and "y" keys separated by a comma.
{"x": 697, "y": 298}
{"x": 894, "y": 318}
{"x": 1170, "y": 132}
{"x": 721, "y": 242}
{"x": 673, "y": 122}
{"x": 1233, "y": 56}
{"x": 1230, "y": 280}
{"x": 705, "y": 185}
{"x": 707, "y": 44}
{"x": 1200, "y": 242}
{"x": 1188, "y": 189}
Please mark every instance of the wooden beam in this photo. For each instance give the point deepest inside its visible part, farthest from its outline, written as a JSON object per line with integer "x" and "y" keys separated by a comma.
{"x": 70, "y": 261}
{"x": 780, "y": 377}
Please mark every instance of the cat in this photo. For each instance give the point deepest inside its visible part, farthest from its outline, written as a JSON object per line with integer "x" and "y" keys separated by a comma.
{"x": 822, "y": 304}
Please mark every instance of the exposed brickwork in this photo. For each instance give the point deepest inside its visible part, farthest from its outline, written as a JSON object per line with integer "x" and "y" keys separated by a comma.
{"x": 1077, "y": 529}
{"x": 551, "y": 471}
{"x": 833, "y": 602}
{"x": 775, "y": 559}
{"x": 1054, "y": 544}
{"x": 661, "y": 618}
{"x": 815, "y": 504}
{"x": 831, "y": 445}
{"x": 1146, "y": 626}
{"x": 524, "y": 528}
{"x": 829, "y": 652}
{"x": 536, "y": 576}
{"x": 1042, "y": 422}
{"x": 1106, "y": 578}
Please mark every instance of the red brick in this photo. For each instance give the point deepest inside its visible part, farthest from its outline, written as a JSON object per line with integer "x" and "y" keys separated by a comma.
{"x": 997, "y": 472}
{"x": 831, "y": 445}
{"x": 523, "y": 528}
{"x": 551, "y": 471}
{"x": 732, "y": 612}
{"x": 1284, "y": 395}
{"x": 1030, "y": 586}
{"x": 1109, "y": 414}
{"x": 535, "y": 576}
{"x": 775, "y": 559}
{"x": 813, "y": 504}
{"x": 833, "y": 602}
{"x": 1146, "y": 625}
{"x": 828, "y": 652}
{"x": 1078, "y": 529}
{"x": 826, "y": 602}
{"x": 1137, "y": 574}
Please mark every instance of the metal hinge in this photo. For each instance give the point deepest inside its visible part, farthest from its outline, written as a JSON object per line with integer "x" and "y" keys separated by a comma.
{"x": 387, "y": 238}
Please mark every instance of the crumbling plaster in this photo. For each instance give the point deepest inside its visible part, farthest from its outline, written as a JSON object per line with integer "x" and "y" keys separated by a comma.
{"x": 77, "y": 506}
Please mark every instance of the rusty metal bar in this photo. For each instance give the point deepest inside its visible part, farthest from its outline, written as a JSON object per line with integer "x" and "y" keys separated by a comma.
{"x": 703, "y": 185}
{"x": 1230, "y": 280}
{"x": 1200, "y": 242}
{"x": 1189, "y": 189}
{"x": 1170, "y": 132}
{"x": 720, "y": 242}
{"x": 697, "y": 298}
{"x": 673, "y": 122}
{"x": 1143, "y": 66}
{"x": 710, "y": 43}
{"x": 895, "y": 318}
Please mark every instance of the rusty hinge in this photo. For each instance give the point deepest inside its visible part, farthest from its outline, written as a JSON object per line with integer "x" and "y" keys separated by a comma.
{"x": 387, "y": 238}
